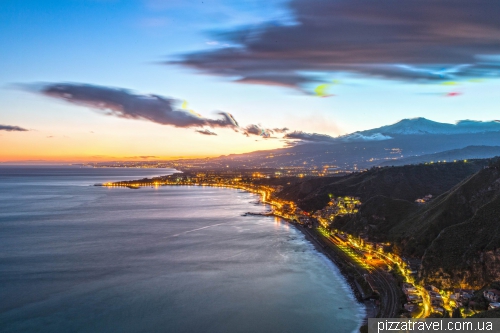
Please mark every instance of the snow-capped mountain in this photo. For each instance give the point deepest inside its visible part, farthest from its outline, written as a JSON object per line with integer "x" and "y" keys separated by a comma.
{"x": 419, "y": 126}
{"x": 364, "y": 149}
{"x": 415, "y": 126}
{"x": 359, "y": 137}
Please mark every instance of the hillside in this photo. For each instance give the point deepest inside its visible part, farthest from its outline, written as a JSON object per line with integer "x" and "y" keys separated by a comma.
{"x": 471, "y": 241}
{"x": 405, "y": 183}
{"x": 453, "y": 207}
{"x": 355, "y": 155}
{"x": 422, "y": 126}
{"x": 456, "y": 234}
{"x": 467, "y": 153}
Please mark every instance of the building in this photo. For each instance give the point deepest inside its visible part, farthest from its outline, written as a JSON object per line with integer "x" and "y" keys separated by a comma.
{"x": 409, "y": 288}
{"x": 414, "y": 299}
{"x": 424, "y": 199}
{"x": 410, "y": 307}
{"x": 492, "y": 295}
{"x": 493, "y": 306}
{"x": 437, "y": 309}
{"x": 435, "y": 295}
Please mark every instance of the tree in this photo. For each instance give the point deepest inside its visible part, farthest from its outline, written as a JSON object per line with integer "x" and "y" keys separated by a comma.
{"x": 456, "y": 313}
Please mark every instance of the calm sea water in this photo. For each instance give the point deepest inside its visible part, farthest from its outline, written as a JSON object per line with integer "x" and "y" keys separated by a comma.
{"x": 80, "y": 258}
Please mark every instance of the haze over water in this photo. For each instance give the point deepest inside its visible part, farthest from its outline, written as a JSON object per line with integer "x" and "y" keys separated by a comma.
{"x": 80, "y": 258}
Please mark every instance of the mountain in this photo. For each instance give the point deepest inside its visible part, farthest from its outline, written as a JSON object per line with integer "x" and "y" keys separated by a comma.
{"x": 362, "y": 150}
{"x": 406, "y": 183}
{"x": 422, "y": 126}
{"x": 467, "y": 153}
{"x": 460, "y": 231}
{"x": 365, "y": 149}
{"x": 456, "y": 235}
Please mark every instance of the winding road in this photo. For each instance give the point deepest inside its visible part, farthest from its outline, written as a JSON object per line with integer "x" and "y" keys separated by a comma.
{"x": 384, "y": 283}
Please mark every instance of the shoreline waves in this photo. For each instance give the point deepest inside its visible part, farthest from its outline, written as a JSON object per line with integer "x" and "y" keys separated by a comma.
{"x": 368, "y": 310}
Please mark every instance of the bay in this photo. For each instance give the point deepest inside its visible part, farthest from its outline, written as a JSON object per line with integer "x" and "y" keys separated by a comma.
{"x": 80, "y": 258}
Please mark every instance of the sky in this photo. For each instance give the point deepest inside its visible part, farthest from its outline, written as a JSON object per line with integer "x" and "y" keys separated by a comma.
{"x": 94, "y": 80}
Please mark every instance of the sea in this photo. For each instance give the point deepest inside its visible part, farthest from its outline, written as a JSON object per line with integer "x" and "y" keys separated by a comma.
{"x": 75, "y": 257}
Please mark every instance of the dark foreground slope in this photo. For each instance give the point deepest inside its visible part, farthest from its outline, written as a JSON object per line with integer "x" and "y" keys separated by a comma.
{"x": 456, "y": 234}
{"x": 451, "y": 208}
{"x": 405, "y": 183}
{"x": 471, "y": 241}
{"x": 469, "y": 152}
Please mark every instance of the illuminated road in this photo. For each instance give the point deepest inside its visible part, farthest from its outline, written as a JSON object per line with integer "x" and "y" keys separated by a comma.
{"x": 383, "y": 281}
{"x": 426, "y": 309}
{"x": 426, "y": 302}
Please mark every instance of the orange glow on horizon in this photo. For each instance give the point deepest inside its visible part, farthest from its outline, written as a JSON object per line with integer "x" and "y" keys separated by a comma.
{"x": 77, "y": 159}
{"x": 125, "y": 141}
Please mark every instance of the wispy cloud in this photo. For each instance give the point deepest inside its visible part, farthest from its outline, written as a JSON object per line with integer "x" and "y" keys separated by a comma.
{"x": 258, "y": 130}
{"x": 261, "y": 131}
{"x": 423, "y": 40}
{"x": 299, "y": 136}
{"x": 144, "y": 157}
{"x": 9, "y": 128}
{"x": 206, "y": 132}
{"x": 310, "y": 137}
{"x": 280, "y": 130}
{"x": 124, "y": 103}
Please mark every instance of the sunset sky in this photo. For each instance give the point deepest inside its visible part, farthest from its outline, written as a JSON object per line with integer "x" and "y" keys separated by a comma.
{"x": 89, "y": 80}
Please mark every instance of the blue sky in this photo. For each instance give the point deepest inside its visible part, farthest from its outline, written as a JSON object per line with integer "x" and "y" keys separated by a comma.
{"x": 125, "y": 44}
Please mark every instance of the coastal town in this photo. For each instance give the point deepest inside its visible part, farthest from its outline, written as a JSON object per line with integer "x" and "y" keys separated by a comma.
{"x": 387, "y": 283}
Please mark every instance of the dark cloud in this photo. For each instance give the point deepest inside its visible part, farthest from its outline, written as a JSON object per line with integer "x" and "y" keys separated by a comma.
{"x": 257, "y": 130}
{"x": 124, "y": 103}
{"x": 9, "y": 128}
{"x": 310, "y": 137}
{"x": 424, "y": 40}
{"x": 289, "y": 80}
{"x": 252, "y": 129}
{"x": 280, "y": 130}
{"x": 316, "y": 137}
{"x": 206, "y": 132}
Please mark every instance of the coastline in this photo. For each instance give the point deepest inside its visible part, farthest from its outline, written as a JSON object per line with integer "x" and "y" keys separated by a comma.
{"x": 334, "y": 258}
{"x": 340, "y": 264}
{"x": 319, "y": 245}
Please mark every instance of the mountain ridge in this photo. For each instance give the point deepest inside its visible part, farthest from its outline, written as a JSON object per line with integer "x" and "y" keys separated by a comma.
{"x": 466, "y": 153}
{"x": 456, "y": 234}
{"x": 422, "y": 126}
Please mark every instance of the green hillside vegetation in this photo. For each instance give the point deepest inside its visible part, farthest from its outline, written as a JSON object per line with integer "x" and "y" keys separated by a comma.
{"x": 377, "y": 217}
{"x": 456, "y": 234}
{"x": 487, "y": 314}
{"x": 451, "y": 208}
{"x": 469, "y": 152}
{"x": 470, "y": 246}
{"x": 406, "y": 183}
{"x": 478, "y": 302}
